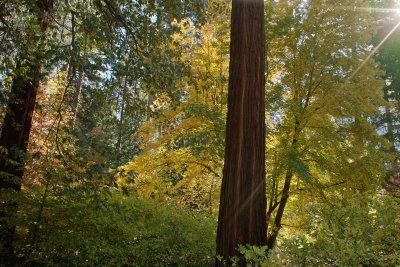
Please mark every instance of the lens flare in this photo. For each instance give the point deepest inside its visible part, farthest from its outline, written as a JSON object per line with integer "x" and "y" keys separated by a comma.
{"x": 374, "y": 50}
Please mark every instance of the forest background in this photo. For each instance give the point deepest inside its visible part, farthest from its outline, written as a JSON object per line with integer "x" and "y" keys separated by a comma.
{"x": 126, "y": 149}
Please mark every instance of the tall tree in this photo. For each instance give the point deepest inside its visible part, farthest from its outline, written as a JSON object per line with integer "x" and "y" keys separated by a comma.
{"x": 18, "y": 122}
{"x": 183, "y": 143}
{"x": 323, "y": 91}
{"x": 242, "y": 218}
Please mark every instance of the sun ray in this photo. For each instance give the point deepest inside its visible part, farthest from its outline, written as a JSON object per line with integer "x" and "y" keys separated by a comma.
{"x": 376, "y": 9}
{"x": 374, "y": 51}
{"x": 366, "y": 9}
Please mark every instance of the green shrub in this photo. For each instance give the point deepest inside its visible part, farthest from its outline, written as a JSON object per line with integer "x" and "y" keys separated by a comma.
{"x": 363, "y": 232}
{"x": 355, "y": 232}
{"x": 124, "y": 231}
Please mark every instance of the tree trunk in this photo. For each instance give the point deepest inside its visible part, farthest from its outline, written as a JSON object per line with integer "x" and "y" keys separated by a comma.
{"x": 279, "y": 214}
{"x": 271, "y": 240}
{"x": 14, "y": 141}
{"x": 242, "y": 214}
{"x": 392, "y": 175}
{"x": 121, "y": 119}
{"x": 76, "y": 98}
{"x": 15, "y": 135}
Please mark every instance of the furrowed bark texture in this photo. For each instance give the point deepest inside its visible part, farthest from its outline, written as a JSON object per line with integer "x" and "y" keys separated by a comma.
{"x": 14, "y": 142}
{"x": 14, "y": 137}
{"x": 242, "y": 214}
{"x": 15, "y": 132}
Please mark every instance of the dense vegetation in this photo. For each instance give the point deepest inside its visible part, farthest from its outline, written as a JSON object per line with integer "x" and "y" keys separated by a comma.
{"x": 123, "y": 162}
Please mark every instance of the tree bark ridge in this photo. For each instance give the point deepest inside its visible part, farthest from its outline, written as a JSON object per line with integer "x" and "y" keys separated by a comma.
{"x": 242, "y": 214}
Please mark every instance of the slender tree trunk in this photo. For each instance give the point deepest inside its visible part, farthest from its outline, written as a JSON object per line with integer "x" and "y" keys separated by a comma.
{"x": 121, "y": 119}
{"x": 271, "y": 241}
{"x": 242, "y": 214}
{"x": 281, "y": 208}
{"x": 74, "y": 68}
{"x": 14, "y": 135}
{"x": 392, "y": 176}
{"x": 76, "y": 98}
{"x": 36, "y": 227}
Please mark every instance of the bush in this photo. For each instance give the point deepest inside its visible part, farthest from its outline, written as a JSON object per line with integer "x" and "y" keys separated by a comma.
{"x": 357, "y": 232}
{"x": 124, "y": 231}
{"x": 363, "y": 232}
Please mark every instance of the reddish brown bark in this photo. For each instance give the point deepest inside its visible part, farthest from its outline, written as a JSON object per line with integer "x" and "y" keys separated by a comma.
{"x": 17, "y": 124}
{"x": 14, "y": 139}
{"x": 242, "y": 214}
{"x": 15, "y": 132}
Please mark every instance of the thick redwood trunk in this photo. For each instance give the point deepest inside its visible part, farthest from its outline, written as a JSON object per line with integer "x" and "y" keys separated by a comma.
{"x": 15, "y": 132}
{"x": 17, "y": 124}
{"x": 242, "y": 214}
{"x": 14, "y": 141}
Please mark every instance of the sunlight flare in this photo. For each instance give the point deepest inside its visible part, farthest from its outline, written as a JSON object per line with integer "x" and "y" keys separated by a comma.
{"x": 374, "y": 50}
